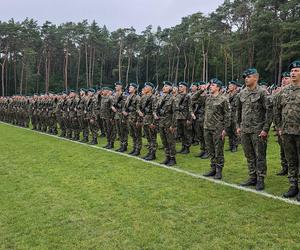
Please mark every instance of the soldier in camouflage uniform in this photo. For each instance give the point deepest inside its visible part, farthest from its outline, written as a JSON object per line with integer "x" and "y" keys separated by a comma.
{"x": 183, "y": 116}
{"x": 216, "y": 121}
{"x": 287, "y": 120}
{"x": 92, "y": 111}
{"x": 232, "y": 95}
{"x": 285, "y": 81}
{"x": 145, "y": 111}
{"x": 121, "y": 124}
{"x": 254, "y": 118}
{"x": 134, "y": 124}
{"x": 59, "y": 113}
{"x": 107, "y": 115}
{"x": 81, "y": 115}
{"x": 164, "y": 114}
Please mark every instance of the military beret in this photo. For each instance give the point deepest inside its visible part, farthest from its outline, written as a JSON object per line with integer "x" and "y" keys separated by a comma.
{"x": 72, "y": 91}
{"x": 294, "y": 64}
{"x": 82, "y": 90}
{"x": 195, "y": 84}
{"x": 216, "y": 81}
{"x": 263, "y": 83}
{"x": 249, "y": 72}
{"x": 285, "y": 74}
{"x": 91, "y": 90}
{"x": 233, "y": 82}
{"x": 109, "y": 88}
{"x": 202, "y": 83}
{"x": 134, "y": 85}
{"x": 118, "y": 83}
{"x": 167, "y": 83}
{"x": 149, "y": 84}
{"x": 184, "y": 84}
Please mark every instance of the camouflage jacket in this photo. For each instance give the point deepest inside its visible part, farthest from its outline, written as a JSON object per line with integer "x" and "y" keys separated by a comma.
{"x": 254, "y": 111}
{"x": 164, "y": 110}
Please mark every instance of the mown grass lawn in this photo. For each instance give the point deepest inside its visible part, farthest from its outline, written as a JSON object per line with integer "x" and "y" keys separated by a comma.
{"x": 56, "y": 194}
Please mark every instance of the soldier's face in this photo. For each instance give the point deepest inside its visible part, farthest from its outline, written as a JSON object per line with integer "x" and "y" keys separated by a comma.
{"x": 295, "y": 75}
{"x": 214, "y": 88}
{"x": 118, "y": 87}
{"x": 285, "y": 81}
{"x": 231, "y": 87}
{"x": 182, "y": 89}
{"x": 131, "y": 89}
{"x": 194, "y": 88}
{"x": 166, "y": 89}
{"x": 251, "y": 80}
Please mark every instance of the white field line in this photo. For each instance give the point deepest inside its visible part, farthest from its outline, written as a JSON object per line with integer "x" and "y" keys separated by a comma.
{"x": 175, "y": 169}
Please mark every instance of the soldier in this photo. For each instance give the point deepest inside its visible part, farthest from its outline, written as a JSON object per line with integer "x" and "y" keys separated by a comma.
{"x": 285, "y": 81}
{"x": 81, "y": 115}
{"x": 287, "y": 119}
{"x": 254, "y": 117}
{"x": 216, "y": 121}
{"x": 145, "y": 111}
{"x": 92, "y": 106}
{"x": 121, "y": 124}
{"x": 107, "y": 115}
{"x": 183, "y": 117}
{"x": 59, "y": 113}
{"x": 130, "y": 112}
{"x": 232, "y": 95}
{"x": 164, "y": 114}
{"x": 198, "y": 123}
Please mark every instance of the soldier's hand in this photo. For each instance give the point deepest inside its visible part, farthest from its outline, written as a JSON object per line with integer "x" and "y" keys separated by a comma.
{"x": 263, "y": 134}
{"x": 193, "y": 116}
{"x": 125, "y": 113}
{"x": 238, "y": 131}
{"x": 152, "y": 126}
{"x": 223, "y": 134}
{"x": 172, "y": 130}
{"x": 140, "y": 114}
{"x": 113, "y": 109}
{"x": 156, "y": 117}
{"x": 279, "y": 132}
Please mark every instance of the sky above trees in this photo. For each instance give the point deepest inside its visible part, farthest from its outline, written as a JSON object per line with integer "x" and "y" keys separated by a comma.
{"x": 113, "y": 13}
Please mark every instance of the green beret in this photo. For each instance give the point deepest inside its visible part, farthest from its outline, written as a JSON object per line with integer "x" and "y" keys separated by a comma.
{"x": 134, "y": 85}
{"x": 149, "y": 84}
{"x": 233, "y": 82}
{"x": 263, "y": 83}
{"x": 83, "y": 90}
{"x": 167, "y": 83}
{"x": 195, "y": 84}
{"x": 72, "y": 91}
{"x": 249, "y": 72}
{"x": 202, "y": 83}
{"x": 118, "y": 83}
{"x": 91, "y": 90}
{"x": 294, "y": 64}
{"x": 285, "y": 74}
{"x": 184, "y": 84}
{"x": 216, "y": 81}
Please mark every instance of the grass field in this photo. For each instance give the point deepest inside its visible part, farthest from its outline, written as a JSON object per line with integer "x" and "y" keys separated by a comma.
{"x": 56, "y": 194}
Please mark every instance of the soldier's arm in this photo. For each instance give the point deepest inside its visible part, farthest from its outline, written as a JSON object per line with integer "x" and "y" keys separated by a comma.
{"x": 227, "y": 113}
{"x": 268, "y": 113}
{"x": 238, "y": 114}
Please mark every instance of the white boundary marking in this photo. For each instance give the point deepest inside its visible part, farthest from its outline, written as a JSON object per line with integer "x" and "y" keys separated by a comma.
{"x": 178, "y": 170}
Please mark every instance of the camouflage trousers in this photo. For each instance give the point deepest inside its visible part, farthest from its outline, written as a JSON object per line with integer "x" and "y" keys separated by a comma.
{"x": 110, "y": 130}
{"x": 198, "y": 127}
{"x": 122, "y": 130}
{"x": 232, "y": 136}
{"x": 215, "y": 146}
{"x": 255, "y": 152}
{"x": 84, "y": 126}
{"x": 184, "y": 131}
{"x": 136, "y": 134}
{"x": 93, "y": 125}
{"x": 291, "y": 144}
{"x": 168, "y": 140}
{"x": 284, "y": 163}
{"x": 151, "y": 136}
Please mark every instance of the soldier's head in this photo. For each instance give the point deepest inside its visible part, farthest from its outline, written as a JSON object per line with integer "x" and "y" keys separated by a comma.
{"x": 133, "y": 88}
{"x": 194, "y": 86}
{"x": 118, "y": 86}
{"x": 285, "y": 79}
{"x": 232, "y": 86}
{"x": 215, "y": 85}
{"x": 251, "y": 77}
{"x": 167, "y": 87}
{"x": 183, "y": 87}
{"x": 82, "y": 92}
{"x": 295, "y": 72}
{"x": 91, "y": 92}
{"x": 148, "y": 88}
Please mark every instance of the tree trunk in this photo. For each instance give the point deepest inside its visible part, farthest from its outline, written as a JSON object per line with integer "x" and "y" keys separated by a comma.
{"x": 93, "y": 66}
{"x": 128, "y": 68}
{"x": 22, "y": 77}
{"x": 147, "y": 68}
{"x": 185, "y": 66}
{"x": 120, "y": 61}
{"x": 177, "y": 65}
{"x": 66, "y": 69}
{"x": 86, "y": 66}
{"x": 3, "y": 71}
{"x": 78, "y": 68}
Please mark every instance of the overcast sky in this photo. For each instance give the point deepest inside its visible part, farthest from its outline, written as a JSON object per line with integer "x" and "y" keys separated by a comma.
{"x": 113, "y": 13}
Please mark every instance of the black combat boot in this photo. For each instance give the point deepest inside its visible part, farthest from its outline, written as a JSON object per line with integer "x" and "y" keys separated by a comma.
{"x": 234, "y": 149}
{"x": 200, "y": 154}
{"x": 84, "y": 140}
{"x": 260, "y": 185}
{"x": 132, "y": 151}
{"x": 151, "y": 156}
{"x": 136, "y": 152}
{"x": 94, "y": 141}
{"x": 122, "y": 149}
{"x": 110, "y": 145}
{"x": 181, "y": 150}
{"x": 186, "y": 150}
{"x": 292, "y": 192}
{"x": 250, "y": 182}
{"x": 171, "y": 162}
{"x": 284, "y": 171}
{"x": 147, "y": 155}
{"x": 212, "y": 171}
{"x": 63, "y": 134}
{"x": 218, "y": 175}
{"x": 205, "y": 156}
{"x": 166, "y": 161}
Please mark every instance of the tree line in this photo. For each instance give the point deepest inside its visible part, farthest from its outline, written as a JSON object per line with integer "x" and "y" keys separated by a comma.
{"x": 239, "y": 34}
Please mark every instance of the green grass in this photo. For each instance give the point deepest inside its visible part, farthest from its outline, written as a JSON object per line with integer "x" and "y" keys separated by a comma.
{"x": 59, "y": 195}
